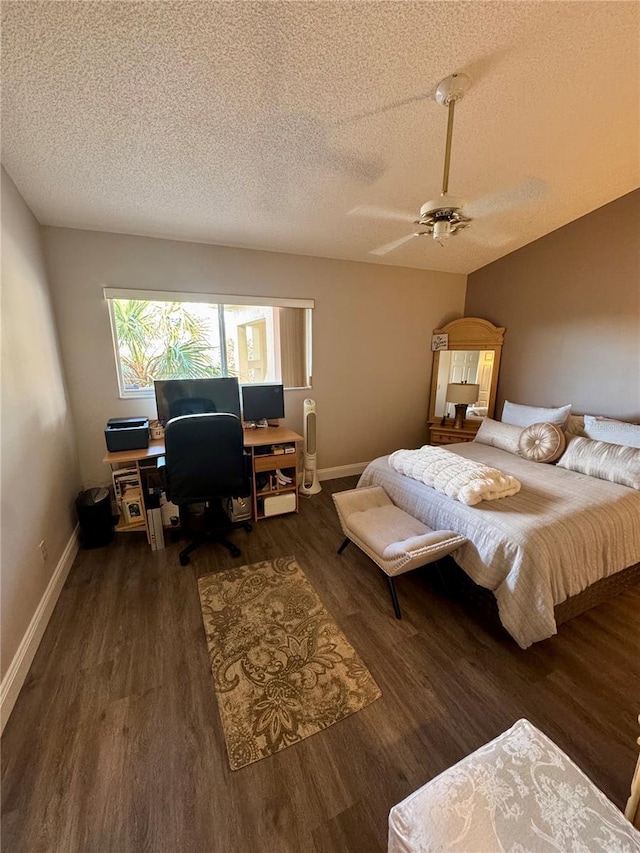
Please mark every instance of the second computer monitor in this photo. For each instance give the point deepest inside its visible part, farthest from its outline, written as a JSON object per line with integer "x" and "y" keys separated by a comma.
{"x": 262, "y": 402}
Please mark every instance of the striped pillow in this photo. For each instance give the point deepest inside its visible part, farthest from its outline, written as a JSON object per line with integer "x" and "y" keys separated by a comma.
{"x": 614, "y": 462}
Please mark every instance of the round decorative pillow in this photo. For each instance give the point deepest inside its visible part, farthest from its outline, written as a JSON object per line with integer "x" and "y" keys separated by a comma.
{"x": 542, "y": 443}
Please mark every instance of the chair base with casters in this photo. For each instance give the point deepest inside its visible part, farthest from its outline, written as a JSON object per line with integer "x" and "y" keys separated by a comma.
{"x": 208, "y": 525}
{"x": 395, "y": 541}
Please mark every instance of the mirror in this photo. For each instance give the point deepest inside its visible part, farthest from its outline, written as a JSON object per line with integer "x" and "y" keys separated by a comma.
{"x": 471, "y": 366}
{"x": 472, "y": 355}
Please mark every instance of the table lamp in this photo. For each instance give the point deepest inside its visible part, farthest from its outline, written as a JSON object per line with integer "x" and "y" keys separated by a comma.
{"x": 462, "y": 394}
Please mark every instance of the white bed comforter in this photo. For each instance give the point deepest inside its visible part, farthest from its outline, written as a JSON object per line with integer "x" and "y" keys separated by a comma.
{"x": 562, "y": 532}
{"x": 464, "y": 480}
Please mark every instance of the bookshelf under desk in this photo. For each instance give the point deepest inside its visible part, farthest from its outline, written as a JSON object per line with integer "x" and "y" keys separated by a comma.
{"x": 266, "y": 461}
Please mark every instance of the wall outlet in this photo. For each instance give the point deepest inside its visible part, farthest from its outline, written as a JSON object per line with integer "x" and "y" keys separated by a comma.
{"x": 43, "y": 551}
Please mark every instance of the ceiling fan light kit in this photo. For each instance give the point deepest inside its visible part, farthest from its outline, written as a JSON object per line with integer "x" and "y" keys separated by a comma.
{"x": 442, "y": 217}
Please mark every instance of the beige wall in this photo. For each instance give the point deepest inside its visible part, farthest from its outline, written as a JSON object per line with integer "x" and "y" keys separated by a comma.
{"x": 371, "y": 333}
{"x": 40, "y": 475}
{"x": 570, "y": 303}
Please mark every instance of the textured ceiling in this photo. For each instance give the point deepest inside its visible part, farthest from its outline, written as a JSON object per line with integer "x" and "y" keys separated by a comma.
{"x": 263, "y": 124}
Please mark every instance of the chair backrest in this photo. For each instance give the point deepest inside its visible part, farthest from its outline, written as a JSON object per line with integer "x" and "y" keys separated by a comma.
{"x": 204, "y": 458}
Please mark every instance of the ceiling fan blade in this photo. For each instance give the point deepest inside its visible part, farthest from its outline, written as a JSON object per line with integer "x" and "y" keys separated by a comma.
{"x": 389, "y": 247}
{"x": 373, "y": 212}
{"x": 533, "y": 189}
{"x": 483, "y": 237}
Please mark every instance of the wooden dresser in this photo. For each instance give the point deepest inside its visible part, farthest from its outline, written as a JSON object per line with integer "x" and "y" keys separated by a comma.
{"x": 448, "y": 434}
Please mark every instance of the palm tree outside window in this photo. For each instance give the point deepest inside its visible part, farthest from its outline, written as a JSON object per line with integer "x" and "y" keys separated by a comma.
{"x": 163, "y": 338}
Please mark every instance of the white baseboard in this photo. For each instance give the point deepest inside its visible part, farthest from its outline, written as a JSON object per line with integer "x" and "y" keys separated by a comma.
{"x": 341, "y": 471}
{"x": 23, "y": 658}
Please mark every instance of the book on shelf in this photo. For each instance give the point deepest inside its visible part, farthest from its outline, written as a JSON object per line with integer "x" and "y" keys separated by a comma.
{"x": 279, "y": 449}
{"x": 132, "y": 510}
{"x": 124, "y": 479}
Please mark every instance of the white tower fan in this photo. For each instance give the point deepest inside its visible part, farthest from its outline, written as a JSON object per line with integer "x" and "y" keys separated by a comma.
{"x": 310, "y": 484}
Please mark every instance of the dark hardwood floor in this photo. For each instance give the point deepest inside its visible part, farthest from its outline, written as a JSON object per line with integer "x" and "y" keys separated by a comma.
{"x": 115, "y": 744}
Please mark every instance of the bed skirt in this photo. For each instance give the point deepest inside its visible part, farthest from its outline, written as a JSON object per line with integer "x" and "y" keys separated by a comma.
{"x": 600, "y": 591}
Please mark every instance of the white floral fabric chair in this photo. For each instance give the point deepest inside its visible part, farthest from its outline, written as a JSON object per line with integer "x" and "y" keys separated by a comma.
{"x": 518, "y": 794}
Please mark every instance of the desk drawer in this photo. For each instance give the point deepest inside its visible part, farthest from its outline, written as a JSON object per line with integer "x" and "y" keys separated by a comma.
{"x": 270, "y": 463}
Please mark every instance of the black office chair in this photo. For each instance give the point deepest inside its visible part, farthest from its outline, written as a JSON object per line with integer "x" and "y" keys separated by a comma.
{"x": 204, "y": 463}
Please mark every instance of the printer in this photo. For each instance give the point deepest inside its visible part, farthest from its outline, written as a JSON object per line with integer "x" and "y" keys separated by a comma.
{"x": 126, "y": 434}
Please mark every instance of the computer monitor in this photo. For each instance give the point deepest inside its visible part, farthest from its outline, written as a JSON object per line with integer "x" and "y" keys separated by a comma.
{"x": 262, "y": 402}
{"x": 175, "y": 397}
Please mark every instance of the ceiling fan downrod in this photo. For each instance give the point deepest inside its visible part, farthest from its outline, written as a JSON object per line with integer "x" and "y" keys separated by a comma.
{"x": 444, "y": 217}
{"x": 448, "y": 92}
{"x": 447, "y": 149}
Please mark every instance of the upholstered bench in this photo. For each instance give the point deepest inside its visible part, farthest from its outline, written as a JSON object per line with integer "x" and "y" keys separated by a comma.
{"x": 395, "y": 541}
{"x": 519, "y": 792}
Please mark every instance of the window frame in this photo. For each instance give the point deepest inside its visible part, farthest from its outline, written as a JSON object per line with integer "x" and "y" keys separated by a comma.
{"x": 219, "y": 299}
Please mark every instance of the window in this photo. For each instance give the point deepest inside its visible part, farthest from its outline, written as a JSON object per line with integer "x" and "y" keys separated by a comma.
{"x": 161, "y": 335}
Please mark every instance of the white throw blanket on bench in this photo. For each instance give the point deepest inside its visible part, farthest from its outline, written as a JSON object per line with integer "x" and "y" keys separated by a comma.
{"x": 465, "y": 480}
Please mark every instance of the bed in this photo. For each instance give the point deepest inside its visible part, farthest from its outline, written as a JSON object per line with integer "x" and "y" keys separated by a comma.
{"x": 562, "y": 533}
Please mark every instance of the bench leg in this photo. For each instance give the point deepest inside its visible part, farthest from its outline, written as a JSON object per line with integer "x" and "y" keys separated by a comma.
{"x": 344, "y": 545}
{"x": 394, "y": 597}
{"x": 444, "y": 575}
{"x": 444, "y": 582}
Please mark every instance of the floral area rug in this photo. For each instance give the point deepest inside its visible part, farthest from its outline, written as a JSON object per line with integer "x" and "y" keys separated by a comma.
{"x": 282, "y": 668}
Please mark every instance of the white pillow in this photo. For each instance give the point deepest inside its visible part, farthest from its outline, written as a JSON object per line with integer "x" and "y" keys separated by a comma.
{"x": 524, "y": 416}
{"x": 612, "y": 431}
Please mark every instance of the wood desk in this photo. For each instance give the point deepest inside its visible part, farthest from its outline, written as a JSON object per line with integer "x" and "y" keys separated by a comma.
{"x": 263, "y": 464}
{"x": 155, "y": 449}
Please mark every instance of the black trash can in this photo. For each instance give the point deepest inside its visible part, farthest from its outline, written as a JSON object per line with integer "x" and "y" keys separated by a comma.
{"x": 94, "y": 516}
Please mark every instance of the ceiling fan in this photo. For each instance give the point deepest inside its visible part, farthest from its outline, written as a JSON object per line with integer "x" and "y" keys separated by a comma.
{"x": 447, "y": 215}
